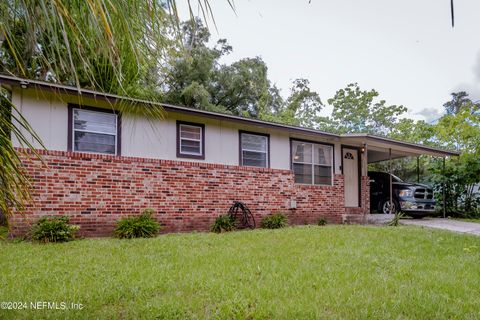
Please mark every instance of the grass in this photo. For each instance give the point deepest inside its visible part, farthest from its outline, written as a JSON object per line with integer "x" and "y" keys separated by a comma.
{"x": 468, "y": 220}
{"x": 294, "y": 273}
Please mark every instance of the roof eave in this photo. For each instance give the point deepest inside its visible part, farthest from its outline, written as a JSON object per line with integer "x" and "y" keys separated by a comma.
{"x": 14, "y": 81}
{"x": 367, "y": 137}
{"x": 168, "y": 107}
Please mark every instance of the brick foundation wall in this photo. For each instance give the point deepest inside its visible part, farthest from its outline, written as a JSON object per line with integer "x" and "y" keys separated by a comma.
{"x": 357, "y": 215}
{"x": 366, "y": 194}
{"x": 97, "y": 190}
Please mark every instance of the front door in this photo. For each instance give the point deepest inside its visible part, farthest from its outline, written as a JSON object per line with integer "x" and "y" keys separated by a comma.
{"x": 350, "y": 173}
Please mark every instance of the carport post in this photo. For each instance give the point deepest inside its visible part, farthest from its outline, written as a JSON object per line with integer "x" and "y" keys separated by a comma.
{"x": 443, "y": 190}
{"x": 390, "y": 174}
{"x": 418, "y": 169}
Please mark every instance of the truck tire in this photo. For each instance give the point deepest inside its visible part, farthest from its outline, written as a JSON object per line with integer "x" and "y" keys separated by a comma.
{"x": 385, "y": 204}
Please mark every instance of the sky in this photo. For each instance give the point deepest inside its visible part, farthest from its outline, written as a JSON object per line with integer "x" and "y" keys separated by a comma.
{"x": 407, "y": 50}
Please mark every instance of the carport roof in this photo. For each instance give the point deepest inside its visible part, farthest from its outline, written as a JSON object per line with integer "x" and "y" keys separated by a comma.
{"x": 378, "y": 147}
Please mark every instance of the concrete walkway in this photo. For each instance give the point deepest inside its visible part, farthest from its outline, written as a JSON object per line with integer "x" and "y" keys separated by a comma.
{"x": 445, "y": 224}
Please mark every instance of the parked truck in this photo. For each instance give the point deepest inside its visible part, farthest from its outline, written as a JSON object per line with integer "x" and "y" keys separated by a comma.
{"x": 414, "y": 199}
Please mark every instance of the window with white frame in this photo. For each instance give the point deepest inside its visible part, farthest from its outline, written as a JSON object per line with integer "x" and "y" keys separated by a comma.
{"x": 254, "y": 150}
{"x": 312, "y": 163}
{"x": 190, "y": 140}
{"x": 94, "y": 131}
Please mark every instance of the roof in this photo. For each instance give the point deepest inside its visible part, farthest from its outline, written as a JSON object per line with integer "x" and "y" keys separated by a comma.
{"x": 399, "y": 148}
{"x": 361, "y": 137}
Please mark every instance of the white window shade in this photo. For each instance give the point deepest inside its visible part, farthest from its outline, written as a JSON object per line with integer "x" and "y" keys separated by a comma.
{"x": 94, "y": 131}
{"x": 254, "y": 150}
{"x": 190, "y": 132}
{"x": 190, "y": 140}
{"x": 93, "y": 121}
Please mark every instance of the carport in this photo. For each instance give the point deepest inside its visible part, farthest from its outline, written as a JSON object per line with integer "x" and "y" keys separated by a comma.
{"x": 375, "y": 149}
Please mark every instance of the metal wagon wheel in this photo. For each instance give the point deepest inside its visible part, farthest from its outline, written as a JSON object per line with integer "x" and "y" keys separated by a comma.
{"x": 248, "y": 219}
{"x": 242, "y": 216}
{"x": 233, "y": 213}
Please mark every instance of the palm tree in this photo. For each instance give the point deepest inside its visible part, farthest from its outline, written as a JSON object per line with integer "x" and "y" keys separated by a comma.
{"x": 117, "y": 47}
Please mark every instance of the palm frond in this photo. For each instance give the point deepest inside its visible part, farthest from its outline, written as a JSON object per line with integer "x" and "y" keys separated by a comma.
{"x": 110, "y": 46}
{"x": 15, "y": 185}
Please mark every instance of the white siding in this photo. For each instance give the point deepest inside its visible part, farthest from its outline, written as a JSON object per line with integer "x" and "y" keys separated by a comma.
{"x": 48, "y": 115}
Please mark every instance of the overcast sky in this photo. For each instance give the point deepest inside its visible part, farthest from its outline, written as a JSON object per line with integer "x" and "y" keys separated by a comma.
{"x": 405, "y": 49}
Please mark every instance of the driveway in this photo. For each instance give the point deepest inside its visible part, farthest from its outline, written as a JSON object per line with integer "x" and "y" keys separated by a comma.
{"x": 446, "y": 224}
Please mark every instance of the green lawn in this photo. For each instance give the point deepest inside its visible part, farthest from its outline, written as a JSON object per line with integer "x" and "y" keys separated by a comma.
{"x": 295, "y": 273}
{"x": 468, "y": 220}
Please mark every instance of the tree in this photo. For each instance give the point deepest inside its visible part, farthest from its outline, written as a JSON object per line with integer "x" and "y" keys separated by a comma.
{"x": 240, "y": 86}
{"x": 460, "y": 100}
{"x": 414, "y": 131}
{"x": 409, "y": 168}
{"x": 198, "y": 79}
{"x": 357, "y": 111}
{"x": 106, "y": 46}
{"x": 114, "y": 46}
{"x": 458, "y": 181}
{"x": 301, "y": 108}
{"x": 460, "y": 129}
{"x": 191, "y": 68}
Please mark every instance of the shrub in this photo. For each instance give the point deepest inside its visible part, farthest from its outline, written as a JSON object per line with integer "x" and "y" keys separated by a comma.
{"x": 223, "y": 223}
{"x": 53, "y": 229}
{"x": 275, "y": 221}
{"x": 3, "y": 232}
{"x": 322, "y": 222}
{"x": 142, "y": 226}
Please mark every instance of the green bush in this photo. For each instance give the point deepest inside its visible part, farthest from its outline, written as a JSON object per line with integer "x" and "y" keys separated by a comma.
{"x": 322, "y": 222}
{"x": 53, "y": 229}
{"x": 275, "y": 221}
{"x": 142, "y": 226}
{"x": 3, "y": 232}
{"x": 223, "y": 223}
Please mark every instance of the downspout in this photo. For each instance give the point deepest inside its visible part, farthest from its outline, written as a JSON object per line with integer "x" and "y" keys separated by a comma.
{"x": 418, "y": 169}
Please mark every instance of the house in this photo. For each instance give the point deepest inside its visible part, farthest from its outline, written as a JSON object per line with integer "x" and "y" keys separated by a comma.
{"x": 100, "y": 165}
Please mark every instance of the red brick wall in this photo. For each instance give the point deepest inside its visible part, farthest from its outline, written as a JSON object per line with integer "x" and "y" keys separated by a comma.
{"x": 357, "y": 215}
{"x": 366, "y": 194}
{"x": 97, "y": 190}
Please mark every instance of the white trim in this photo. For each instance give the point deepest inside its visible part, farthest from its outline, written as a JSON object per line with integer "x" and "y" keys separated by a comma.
{"x": 200, "y": 153}
{"x": 267, "y": 163}
{"x": 313, "y": 164}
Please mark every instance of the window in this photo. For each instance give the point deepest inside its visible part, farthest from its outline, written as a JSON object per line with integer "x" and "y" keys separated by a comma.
{"x": 349, "y": 156}
{"x": 190, "y": 140}
{"x": 94, "y": 131}
{"x": 312, "y": 162}
{"x": 254, "y": 149}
